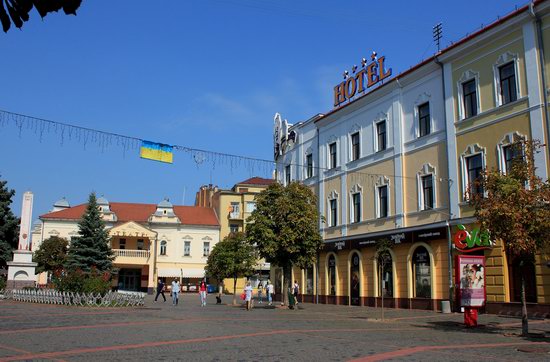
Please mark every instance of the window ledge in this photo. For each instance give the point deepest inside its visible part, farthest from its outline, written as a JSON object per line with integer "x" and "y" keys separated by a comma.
{"x": 492, "y": 110}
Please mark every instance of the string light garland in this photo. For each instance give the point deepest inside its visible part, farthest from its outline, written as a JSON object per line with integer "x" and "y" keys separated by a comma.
{"x": 86, "y": 136}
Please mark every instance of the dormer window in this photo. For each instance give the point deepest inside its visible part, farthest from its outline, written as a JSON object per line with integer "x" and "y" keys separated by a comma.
{"x": 164, "y": 212}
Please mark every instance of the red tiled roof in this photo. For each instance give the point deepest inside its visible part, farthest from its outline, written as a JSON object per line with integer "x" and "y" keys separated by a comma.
{"x": 257, "y": 181}
{"x": 189, "y": 215}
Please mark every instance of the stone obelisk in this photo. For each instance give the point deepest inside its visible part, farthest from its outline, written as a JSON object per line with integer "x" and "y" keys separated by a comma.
{"x": 21, "y": 270}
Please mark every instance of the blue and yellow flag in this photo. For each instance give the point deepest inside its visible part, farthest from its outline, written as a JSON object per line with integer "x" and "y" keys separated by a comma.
{"x": 156, "y": 151}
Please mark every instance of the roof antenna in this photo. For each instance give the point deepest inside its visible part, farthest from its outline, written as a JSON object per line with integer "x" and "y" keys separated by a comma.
{"x": 437, "y": 34}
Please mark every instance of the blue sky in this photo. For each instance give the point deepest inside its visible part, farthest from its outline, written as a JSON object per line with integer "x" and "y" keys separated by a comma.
{"x": 207, "y": 74}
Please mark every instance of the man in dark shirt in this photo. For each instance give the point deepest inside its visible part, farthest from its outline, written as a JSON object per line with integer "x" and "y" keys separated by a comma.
{"x": 160, "y": 290}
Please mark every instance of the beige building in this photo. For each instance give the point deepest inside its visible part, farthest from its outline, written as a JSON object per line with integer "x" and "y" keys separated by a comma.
{"x": 149, "y": 241}
{"x": 233, "y": 207}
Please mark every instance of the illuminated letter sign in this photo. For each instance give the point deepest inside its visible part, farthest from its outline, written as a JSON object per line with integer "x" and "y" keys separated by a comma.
{"x": 374, "y": 71}
{"x": 468, "y": 242}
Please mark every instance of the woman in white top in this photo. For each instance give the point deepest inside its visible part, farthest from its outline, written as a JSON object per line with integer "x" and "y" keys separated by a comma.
{"x": 248, "y": 295}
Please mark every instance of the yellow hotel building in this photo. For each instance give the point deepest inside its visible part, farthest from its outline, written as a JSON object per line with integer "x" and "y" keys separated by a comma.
{"x": 395, "y": 161}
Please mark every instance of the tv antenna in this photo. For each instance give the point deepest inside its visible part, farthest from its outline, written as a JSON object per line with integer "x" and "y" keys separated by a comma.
{"x": 437, "y": 33}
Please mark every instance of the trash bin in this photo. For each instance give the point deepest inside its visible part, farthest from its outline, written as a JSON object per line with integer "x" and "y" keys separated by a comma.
{"x": 291, "y": 301}
{"x": 445, "y": 306}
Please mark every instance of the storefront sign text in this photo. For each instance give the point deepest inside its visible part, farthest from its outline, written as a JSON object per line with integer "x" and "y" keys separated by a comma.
{"x": 471, "y": 241}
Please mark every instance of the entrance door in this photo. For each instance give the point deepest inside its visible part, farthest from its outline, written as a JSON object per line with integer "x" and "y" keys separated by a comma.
{"x": 129, "y": 279}
{"x": 355, "y": 280}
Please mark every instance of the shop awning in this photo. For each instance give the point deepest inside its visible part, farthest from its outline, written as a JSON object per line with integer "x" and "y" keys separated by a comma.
{"x": 183, "y": 273}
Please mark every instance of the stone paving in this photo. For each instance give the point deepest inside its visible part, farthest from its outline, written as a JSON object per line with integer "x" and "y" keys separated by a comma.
{"x": 160, "y": 331}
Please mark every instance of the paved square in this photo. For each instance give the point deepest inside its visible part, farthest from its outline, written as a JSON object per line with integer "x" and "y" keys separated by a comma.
{"x": 160, "y": 331}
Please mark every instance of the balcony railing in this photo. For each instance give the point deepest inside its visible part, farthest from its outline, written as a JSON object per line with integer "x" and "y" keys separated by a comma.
{"x": 235, "y": 215}
{"x": 128, "y": 253}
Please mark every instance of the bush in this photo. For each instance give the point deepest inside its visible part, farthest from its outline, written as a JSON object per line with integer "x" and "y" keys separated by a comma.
{"x": 78, "y": 281}
{"x": 2, "y": 283}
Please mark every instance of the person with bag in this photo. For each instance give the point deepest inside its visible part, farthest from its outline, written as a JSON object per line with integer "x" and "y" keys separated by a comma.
{"x": 296, "y": 291}
{"x": 269, "y": 292}
{"x": 203, "y": 292}
{"x": 248, "y": 295}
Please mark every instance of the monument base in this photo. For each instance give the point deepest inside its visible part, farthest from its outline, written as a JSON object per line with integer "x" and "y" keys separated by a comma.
{"x": 21, "y": 271}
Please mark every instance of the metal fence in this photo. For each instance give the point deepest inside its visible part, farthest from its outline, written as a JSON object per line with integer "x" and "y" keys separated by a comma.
{"x": 50, "y": 296}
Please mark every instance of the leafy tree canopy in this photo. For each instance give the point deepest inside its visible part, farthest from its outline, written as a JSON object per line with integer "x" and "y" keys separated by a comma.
{"x": 9, "y": 224}
{"x": 91, "y": 247}
{"x": 284, "y": 225}
{"x": 17, "y": 11}
{"x": 516, "y": 204}
{"x": 51, "y": 254}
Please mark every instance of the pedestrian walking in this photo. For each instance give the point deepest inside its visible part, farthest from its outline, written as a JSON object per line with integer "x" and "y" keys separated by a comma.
{"x": 248, "y": 295}
{"x": 160, "y": 290}
{"x": 296, "y": 291}
{"x": 175, "y": 292}
{"x": 269, "y": 291}
{"x": 260, "y": 292}
{"x": 220, "y": 292}
{"x": 203, "y": 291}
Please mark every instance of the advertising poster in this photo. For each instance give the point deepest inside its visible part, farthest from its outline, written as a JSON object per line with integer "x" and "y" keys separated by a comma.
{"x": 471, "y": 271}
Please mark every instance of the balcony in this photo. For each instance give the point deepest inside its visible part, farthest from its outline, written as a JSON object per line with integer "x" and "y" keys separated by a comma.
{"x": 235, "y": 215}
{"x": 131, "y": 256}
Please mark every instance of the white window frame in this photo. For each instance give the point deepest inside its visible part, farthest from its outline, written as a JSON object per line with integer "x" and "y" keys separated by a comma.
{"x": 471, "y": 150}
{"x": 205, "y": 248}
{"x": 332, "y": 196}
{"x": 309, "y": 152}
{"x": 356, "y": 189}
{"x": 165, "y": 244}
{"x": 504, "y": 59}
{"x": 467, "y": 76}
{"x": 332, "y": 140}
{"x": 382, "y": 181}
{"x": 507, "y": 140}
{"x": 421, "y": 100}
{"x": 355, "y": 129}
{"x": 250, "y": 209}
{"x": 184, "y": 247}
{"x": 375, "y": 133}
{"x": 426, "y": 170}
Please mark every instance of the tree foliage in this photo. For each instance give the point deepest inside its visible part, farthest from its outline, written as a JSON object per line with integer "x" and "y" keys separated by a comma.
{"x": 91, "y": 247}
{"x": 51, "y": 254}
{"x": 9, "y": 224}
{"x": 515, "y": 208}
{"x": 284, "y": 227}
{"x": 17, "y": 11}
{"x": 233, "y": 257}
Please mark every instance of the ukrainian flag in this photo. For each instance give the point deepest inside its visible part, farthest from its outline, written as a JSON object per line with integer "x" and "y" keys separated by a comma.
{"x": 156, "y": 151}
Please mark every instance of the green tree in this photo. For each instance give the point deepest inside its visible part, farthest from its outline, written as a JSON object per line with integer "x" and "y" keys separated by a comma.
{"x": 515, "y": 208}
{"x": 233, "y": 257}
{"x": 284, "y": 227}
{"x": 383, "y": 259}
{"x": 17, "y": 11}
{"x": 91, "y": 247}
{"x": 9, "y": 225}
{"x": 51, "y": 254}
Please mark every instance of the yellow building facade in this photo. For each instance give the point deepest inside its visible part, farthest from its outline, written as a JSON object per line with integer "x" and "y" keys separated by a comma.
{"x": 150, "y": 242}
{"x": 395, "y": 163}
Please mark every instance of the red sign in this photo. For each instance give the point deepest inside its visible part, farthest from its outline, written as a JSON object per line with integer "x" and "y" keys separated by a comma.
{"x": 467, "y": 242}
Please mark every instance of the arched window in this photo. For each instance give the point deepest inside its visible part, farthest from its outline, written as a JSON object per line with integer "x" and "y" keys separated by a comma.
{"x": 355, "y": 280}
{"x": 163, "y": 247}
{"x": 529, "y": 276}
{"x": 422, "y": 273}
{"x": 385, "y": 274}
{"x": 332, "y": 275}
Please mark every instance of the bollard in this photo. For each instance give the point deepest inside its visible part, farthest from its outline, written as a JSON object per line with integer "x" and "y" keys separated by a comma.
{"x": 445, "y": 306}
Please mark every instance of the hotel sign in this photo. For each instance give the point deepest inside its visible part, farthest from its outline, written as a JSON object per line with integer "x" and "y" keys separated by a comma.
{"x": 370, "y": 74}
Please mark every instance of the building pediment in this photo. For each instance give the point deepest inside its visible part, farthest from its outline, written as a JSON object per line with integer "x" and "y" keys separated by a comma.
{"x": 132, "y": 229}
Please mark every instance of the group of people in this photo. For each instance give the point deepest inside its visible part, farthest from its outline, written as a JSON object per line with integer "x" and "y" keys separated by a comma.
{"x": 247, "y": 294}
{"x": 176, "y": 289}
{"x": 248, "y": 291}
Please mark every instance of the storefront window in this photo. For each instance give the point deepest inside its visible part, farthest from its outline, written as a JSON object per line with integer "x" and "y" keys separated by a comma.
{"x": 309, "y": 280}
{"x": 385, "y": 275}
{"x": 332, "y": 275}
{"x": 422, "y": 273}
